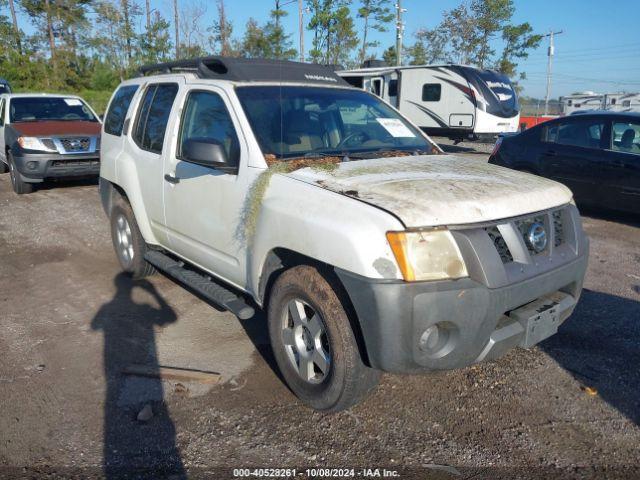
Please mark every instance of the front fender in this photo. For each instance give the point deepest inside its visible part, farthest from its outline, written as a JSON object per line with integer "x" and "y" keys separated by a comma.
{"x": 323, "y": 225}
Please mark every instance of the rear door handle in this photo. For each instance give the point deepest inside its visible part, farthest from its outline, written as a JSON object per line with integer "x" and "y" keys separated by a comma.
{"x": 171, "y": 179}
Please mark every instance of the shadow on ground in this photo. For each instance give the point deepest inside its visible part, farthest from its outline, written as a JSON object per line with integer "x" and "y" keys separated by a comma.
{"x": 600, "y": 346}
{"x": 129, "y": 327}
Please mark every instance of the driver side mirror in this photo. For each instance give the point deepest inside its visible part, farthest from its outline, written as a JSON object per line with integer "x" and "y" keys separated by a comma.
{"x": 207, "y": 153}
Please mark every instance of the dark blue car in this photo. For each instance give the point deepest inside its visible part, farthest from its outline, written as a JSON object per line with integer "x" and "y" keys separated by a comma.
{"x": 596, "y": 155}
{"x": 4, "y": 86}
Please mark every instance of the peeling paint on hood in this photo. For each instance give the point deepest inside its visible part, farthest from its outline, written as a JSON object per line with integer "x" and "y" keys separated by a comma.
{"x": 433, "y": 190}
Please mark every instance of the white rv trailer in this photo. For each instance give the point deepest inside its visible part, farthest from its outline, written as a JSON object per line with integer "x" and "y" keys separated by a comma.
{"x": 613, "y": 102}
{"x": 457, "y": 101}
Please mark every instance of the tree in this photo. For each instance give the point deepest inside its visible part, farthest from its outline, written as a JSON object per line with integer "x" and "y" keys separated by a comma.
{"x": 375, "y": 14}
{"x": 254, "y": 44}
{"x": 389, "y": 55}
{"x": 279, "y": 43}
{"x": 519, "y": 40}
{"x": 16, "y": 30}
{"x": 430, "y": 47}
{"x": 334, "y": 31}
{"x": 460, "y": 27}
{"x": 155, "y": 44}
{"x": 490, "y": 18}
{"x": 191, "y": 30}
{"x": 221, "y": 31}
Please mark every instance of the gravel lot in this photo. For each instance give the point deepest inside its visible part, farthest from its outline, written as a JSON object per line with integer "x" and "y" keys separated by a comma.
{"x": 69, "y": 323}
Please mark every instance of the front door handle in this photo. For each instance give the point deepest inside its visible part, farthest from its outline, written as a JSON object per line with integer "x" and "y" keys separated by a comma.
{"x": 171, "y": 179}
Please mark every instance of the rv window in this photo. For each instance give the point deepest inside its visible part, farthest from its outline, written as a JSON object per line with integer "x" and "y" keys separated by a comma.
{"x": 626, "y": 103}
{"x": 569, "y": 102}
{"x": 393, "y": 88}
{"x": 613, "y": 101}
{"x": 376, "y": 86}
{"x": 431, "y": 92}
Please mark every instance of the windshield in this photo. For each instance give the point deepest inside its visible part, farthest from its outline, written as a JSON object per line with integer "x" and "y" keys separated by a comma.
{"x": 292, "y": 122}
{"x": 33, "y": 109}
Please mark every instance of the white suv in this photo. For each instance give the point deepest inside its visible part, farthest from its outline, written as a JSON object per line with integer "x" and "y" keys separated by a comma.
{"x": 276, "y": 185}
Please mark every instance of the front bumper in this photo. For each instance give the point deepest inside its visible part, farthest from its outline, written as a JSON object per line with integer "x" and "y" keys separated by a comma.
{"x": 475, "y": 323}
{"x": 36, "y": 167}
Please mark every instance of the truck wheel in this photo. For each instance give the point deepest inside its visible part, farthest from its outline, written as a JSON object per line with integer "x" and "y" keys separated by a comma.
{"x": 18, "y": 185}
{"x": 127, "y": 240}
{"x": 313, "y": 343}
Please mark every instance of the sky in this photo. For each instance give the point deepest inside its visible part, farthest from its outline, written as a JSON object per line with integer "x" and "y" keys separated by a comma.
{"x": 599, "y": 48}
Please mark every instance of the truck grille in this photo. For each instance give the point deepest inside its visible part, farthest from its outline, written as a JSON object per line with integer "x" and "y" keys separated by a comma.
{"x": 47, "y": 142}
{"x": 500, "y": 244}
{"x": 77, "y": 144}
{"x": 522, "y": 227}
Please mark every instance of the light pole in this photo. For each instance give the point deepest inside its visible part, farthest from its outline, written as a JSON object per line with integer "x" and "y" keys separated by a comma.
{"x": 550, "y": 53}
{"x": 399, "y": 31}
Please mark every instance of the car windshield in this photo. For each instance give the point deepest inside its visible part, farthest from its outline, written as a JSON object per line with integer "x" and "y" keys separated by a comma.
{"x": 291, "y": 122}
{"x": 34, "y": 109}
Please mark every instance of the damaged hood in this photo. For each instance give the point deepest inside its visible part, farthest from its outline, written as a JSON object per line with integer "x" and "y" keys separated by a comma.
{"x": 433, "y": 190}
{"x": 56, "y": 127}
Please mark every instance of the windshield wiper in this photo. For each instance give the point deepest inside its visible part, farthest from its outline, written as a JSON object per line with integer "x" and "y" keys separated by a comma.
{"x": 345, "y": 157}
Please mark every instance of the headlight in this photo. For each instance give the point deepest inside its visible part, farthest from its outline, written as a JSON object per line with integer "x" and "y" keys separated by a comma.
{"x": 33, "y": 143}
{"x": 427, "y": 255}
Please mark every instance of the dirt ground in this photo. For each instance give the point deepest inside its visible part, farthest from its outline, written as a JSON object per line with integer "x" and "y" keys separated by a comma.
{"x": 70, "y": 322}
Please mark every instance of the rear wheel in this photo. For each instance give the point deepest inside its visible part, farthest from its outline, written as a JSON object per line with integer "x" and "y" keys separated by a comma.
{"x": 127, "y": 240}
{"x": 19, "y": 186}
{"x": 314, "y": 344}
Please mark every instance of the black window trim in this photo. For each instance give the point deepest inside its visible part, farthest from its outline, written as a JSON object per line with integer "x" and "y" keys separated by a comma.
{"x": 178, "y": 152}
{"x": 604, "y": 135}
{"x": 124, "y": 120}
{"x": 439, "y": 91}
{"x": 135, "y": 125}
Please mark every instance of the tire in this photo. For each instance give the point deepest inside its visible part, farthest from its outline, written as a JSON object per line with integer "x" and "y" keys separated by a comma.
{"x": 18, "y": 185}
{"x": 128, "y": 242}
{"x": 337, "y": 378}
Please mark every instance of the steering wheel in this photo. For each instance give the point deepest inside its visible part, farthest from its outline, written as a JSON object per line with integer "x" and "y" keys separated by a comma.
{"x": 71, "y": 116}
{"x": 363, "y": 135}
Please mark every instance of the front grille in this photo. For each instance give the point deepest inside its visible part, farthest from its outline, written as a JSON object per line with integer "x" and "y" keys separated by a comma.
{"x": 500, "y": 244}
{"x": 524, "y": 226}
{"x": 556, "y": 219}
{"x": 48, "y": 142}
{"x": 75, "y": 163}
{"x": 77, "y": 144}
{"x": 558, "y": 228}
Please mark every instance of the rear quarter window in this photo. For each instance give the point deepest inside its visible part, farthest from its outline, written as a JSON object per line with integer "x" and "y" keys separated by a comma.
{"x": 153, "y": 116}
{"x": 114, "y": 120}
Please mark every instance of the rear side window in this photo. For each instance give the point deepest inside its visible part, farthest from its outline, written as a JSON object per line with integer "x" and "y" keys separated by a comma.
{"x": 153, "y": 116}
{"x": 2, "y": 104}
{"x": 584, "y": 133}
{"x": 431, "y": 92}
{"x": 114, "y": 120}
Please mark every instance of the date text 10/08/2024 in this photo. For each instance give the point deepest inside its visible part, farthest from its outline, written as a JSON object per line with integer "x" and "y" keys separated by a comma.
{"x": 315, "y": 473}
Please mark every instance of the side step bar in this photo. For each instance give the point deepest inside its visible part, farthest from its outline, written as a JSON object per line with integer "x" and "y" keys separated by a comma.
{"x": 201, "y": 284}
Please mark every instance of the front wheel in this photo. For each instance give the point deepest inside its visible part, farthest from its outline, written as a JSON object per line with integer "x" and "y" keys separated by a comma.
{"x": 314, "y": 344}
{"x": 18, "y": 185}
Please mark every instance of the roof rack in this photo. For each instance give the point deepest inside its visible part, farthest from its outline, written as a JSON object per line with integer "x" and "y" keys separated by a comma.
{"x": 249, "y": 70}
